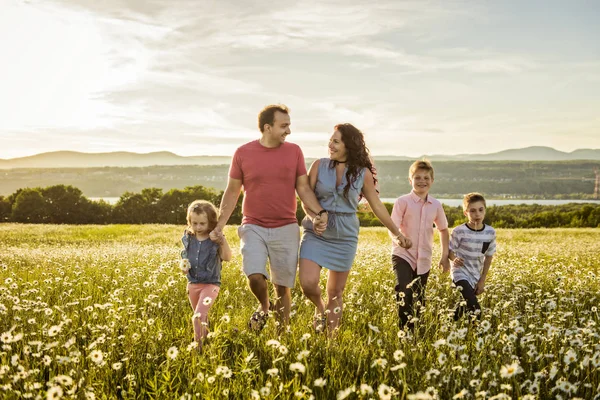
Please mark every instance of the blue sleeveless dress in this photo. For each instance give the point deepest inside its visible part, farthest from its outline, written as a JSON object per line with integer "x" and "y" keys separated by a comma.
{"x": 335, "y": 249}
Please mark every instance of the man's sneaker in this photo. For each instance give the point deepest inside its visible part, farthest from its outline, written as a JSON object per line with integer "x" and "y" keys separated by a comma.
{"x": 258, "y": 320}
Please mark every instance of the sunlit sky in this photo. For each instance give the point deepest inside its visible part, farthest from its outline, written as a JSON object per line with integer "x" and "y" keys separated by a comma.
{"x": 189, "y": 76}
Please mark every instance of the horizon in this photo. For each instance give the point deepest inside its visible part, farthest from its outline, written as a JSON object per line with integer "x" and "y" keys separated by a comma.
{"x": 306, "y": 156}
{"x": 424, "y": 78}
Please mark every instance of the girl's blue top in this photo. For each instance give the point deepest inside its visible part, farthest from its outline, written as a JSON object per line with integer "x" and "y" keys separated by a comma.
{"x": 204, "y": 259}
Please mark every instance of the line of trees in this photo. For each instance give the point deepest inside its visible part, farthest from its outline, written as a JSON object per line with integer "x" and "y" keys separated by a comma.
{"x": 63, "y": 204}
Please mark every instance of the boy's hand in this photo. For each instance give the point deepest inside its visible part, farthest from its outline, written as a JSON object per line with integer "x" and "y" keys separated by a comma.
{"x": 479, "y": 288}
{"x": 216, "y": 235}
{"x": 458, "y": 262}
{"x": 184, "y": 265}
{"x": 445, "y": 265}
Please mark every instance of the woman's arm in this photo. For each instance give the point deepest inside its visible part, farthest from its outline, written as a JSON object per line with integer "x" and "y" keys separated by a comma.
{"x": 380, "y": 211}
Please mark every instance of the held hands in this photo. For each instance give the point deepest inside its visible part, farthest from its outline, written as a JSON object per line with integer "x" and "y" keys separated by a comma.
{"x": 320, "y": 223}
{"x": 403, "y": 241}
{"x": 216, "y": 235}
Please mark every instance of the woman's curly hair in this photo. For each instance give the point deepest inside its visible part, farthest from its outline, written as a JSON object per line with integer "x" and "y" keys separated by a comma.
{"x": 357, "y": 155}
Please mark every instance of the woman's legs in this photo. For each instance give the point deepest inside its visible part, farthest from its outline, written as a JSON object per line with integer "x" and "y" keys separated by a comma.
{"x": 310, "y": 274}
{"x": 336, "y": 282}
{"x": 202, "y": 297}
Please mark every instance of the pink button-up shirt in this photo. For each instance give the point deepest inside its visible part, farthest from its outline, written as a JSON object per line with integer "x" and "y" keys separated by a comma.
{"x": 415, "y": 218}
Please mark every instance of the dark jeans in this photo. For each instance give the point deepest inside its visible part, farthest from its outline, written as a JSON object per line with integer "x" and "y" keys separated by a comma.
{"x": 414, "y": 292}
{"x": 468, "y": 293}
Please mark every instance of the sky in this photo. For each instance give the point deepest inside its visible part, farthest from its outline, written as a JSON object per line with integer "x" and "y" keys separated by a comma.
{"x": 190, "y": 76}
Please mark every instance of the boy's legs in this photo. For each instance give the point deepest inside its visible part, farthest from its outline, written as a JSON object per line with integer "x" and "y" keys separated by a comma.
{"x": 468, "y": 293}
{"x": 404, "y": 294}
{"x": 419, "y": 292}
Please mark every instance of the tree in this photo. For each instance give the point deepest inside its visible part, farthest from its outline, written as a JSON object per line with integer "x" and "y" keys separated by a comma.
{"x": 5, "y": 209}
{"x": 136, "y": 208}
{"x": 63, "y": 204}
{"x": 29, "y": 206}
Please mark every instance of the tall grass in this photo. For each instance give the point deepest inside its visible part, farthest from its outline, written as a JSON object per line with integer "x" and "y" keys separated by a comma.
{"x": 102, "y": 312}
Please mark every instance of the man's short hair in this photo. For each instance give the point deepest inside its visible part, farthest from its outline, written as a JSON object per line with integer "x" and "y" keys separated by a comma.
{"x": 420, "y": 164}
{"x": 472, "y": 198}
{"x": 267, "y": 115}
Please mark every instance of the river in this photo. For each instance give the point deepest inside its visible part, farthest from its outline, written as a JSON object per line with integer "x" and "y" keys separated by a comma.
{"x": 448, "y": 202}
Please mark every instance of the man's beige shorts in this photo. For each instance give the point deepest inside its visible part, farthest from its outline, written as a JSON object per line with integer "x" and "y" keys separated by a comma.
{"x": 278, "y": 245}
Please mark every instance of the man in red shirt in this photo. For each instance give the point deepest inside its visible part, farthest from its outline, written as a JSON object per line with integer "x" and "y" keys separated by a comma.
{"x": 271, "y": 171}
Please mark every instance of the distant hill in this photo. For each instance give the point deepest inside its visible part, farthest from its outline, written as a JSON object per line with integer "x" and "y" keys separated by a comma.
{"x": 73, "y": 159}
{"x": 534, "y": 153}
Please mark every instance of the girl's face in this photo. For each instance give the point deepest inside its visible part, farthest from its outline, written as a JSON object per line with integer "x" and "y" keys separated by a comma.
{"x": 337, "y": 148}
{"x": 199, "y": 223}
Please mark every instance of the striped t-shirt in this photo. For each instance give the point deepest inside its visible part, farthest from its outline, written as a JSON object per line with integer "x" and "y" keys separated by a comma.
{"x": 472, "y": 246}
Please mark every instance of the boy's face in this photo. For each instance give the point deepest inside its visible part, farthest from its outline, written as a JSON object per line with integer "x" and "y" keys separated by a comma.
{"x": 475, "y": 212}
{"x": 421, "y": 181}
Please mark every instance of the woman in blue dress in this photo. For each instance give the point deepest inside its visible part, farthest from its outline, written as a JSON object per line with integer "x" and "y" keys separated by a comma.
{"x": 339, "y": 183}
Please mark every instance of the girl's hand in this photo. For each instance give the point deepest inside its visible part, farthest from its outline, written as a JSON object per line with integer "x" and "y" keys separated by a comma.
{"x": 184, "y": 265}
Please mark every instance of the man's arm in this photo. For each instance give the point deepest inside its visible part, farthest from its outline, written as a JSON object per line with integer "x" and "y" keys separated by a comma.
{"x": 228, "y": 202}
{"x": 308, "y": 198}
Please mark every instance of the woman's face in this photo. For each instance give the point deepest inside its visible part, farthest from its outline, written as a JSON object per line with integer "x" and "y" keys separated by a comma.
{"x": 337, "y": 148}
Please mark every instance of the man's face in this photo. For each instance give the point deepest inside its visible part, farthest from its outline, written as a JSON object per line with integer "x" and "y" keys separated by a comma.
{"x": 280, "y": 129}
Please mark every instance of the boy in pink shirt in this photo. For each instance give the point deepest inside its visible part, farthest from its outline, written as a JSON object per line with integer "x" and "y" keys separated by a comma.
{"x": 414, "y": 214}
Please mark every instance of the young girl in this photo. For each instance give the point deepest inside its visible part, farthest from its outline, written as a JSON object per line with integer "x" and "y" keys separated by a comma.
{"x": 204, "y": 249}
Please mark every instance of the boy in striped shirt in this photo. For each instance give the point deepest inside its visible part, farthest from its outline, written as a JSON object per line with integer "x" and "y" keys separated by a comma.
{"x": 472, "y": 246}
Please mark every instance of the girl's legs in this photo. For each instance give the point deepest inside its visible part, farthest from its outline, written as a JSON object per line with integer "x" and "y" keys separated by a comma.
{"x": 336, "y": 282}
{"x": 310, "y": 274}
{"x": 199, "y": 294}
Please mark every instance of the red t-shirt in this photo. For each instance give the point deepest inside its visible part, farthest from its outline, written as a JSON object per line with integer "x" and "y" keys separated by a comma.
{"x": 269, "y": 179}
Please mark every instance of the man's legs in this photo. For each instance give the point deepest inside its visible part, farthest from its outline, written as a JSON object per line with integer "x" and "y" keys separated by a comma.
{"x": 260, "y": 289}
{"x": 254, "y": 264}
{"x": 283, "y": 305}
{"x": 283, "y": 243}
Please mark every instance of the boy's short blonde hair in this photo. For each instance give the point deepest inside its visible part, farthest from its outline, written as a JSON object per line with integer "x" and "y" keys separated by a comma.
{"x": 472, "y": 198}
{"x": 420, "y": 164}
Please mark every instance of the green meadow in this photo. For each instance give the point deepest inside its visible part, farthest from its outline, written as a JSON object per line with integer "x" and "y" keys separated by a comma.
{"x": 102, "y": 312}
